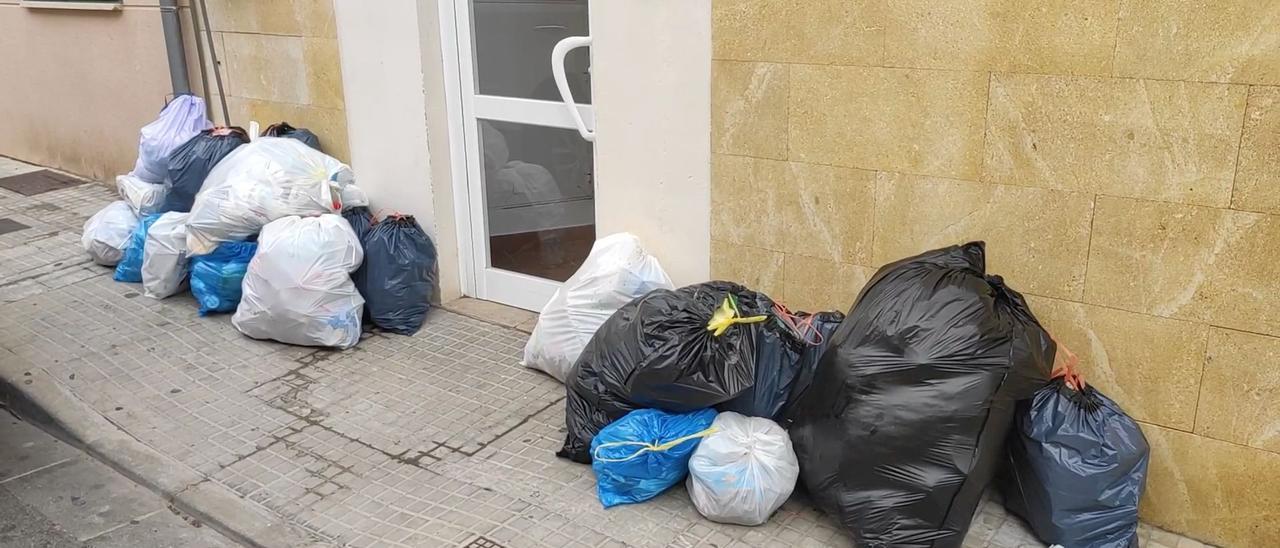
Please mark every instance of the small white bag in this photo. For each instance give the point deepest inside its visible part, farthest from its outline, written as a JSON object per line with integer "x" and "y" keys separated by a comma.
{"x": 165, "y": 263}
{"x": 267, "y": 179}
{"x": 615, "y": 272}
{"x": 742, "y": 472}
{"x": 145, "y": 198}
{"x": 106, "y": 233}
{"x": 298, "y": 287}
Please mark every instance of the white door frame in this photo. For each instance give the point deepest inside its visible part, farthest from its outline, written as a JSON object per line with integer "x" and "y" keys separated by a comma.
{"x": 464, "y": 107}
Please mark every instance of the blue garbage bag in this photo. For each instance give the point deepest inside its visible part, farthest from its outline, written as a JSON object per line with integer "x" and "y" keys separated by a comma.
{"x": 216, "y": 278}
{"x": 644, "y": 453}
{"x": 1077, "y": 467}
{"x": 190, "y": 164}
{"x": 130, "y": 267}
{"x": 399, "y": 274}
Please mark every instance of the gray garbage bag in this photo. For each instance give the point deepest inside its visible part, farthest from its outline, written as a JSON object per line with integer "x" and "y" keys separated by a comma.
{"x": 164, "y": 261}
{"x": 145, "y": 198}
{"x": 298, "y": 287}
{"x": 1077, "y": 467}
{"x": 106, "y": 233}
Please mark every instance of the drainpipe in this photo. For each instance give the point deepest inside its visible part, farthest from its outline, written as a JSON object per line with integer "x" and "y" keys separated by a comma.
{"x": 173, "y": 47}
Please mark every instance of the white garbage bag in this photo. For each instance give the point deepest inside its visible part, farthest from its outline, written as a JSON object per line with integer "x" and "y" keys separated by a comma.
{"x": 353, "y": 196}
{"x": 615, "y": 272}
{"x": 165, "y": 261}
{"x": 743, "y": 471}
{"x": 268, "y": 179}
{"x": 298, "y": 287}
{"x": 106, "y": 233}
{"x": 180, "y": 120}
{"x": 145, "y": 198}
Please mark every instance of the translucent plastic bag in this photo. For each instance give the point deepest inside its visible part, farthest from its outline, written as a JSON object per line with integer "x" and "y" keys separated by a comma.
{"x": 743, "y": 471}
{"x": 644, "y": 453}
{"x": 298, "y": 287}
{"x": 616, "y": 272}
{"x": 268, "y": 179}
{"x": 129, "y": 269}
{"x": 165, "y": 262}
{"x": 180, "y": 120}
{"x": 106, "y": 233}
{"x": 216, "y": 278}
{"x": 145, "y": 198}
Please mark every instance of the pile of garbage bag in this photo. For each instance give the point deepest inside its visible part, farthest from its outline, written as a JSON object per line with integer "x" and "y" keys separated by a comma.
{"x": 267, "y": 179}
{"x": 298, "y": 288}
{"x": 616, "y": 272}
{"x": 106, "y": 233}
{"x": 903, "y": 426}
{"x": 179, "y": 121}
{"x": 189, "y": 165}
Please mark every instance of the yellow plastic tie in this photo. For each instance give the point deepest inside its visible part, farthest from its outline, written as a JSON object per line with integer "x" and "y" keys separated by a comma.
{"x": 727, "y": 315}
{"x": 648, "y": 447}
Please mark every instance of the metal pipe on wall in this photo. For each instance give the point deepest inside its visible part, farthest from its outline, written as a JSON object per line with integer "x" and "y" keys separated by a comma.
{"x": 173, "y": 47}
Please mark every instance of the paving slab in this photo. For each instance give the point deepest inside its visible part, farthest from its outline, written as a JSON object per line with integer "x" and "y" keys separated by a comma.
{"x": 89, "y": 497}
{"x": 26, "y": 449}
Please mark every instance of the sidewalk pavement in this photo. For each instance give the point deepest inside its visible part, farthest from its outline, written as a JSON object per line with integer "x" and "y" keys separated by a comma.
{"x": 439, "y": 439}
{"x": 52, "y": 495}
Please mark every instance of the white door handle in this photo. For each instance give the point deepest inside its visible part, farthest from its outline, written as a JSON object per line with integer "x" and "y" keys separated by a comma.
{"x": 562, "y": 82}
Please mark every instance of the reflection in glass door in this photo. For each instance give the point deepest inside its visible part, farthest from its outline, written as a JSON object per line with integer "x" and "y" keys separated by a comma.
{"x": 531, "y": 192}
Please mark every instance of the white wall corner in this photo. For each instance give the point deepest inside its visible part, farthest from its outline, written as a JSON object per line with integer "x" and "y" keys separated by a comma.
{"x": 384, "y": 83}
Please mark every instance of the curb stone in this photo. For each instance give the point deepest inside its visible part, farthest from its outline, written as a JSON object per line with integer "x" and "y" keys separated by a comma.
{"x": 36, "y": 397}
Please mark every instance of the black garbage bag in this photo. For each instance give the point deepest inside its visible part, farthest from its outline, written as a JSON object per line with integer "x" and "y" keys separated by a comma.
{"x": 399, "y": 274}
{"x": 785, "y": 354}
{"x": 658, "y": 352}
{"x": 361, "y": 221}
{"x": 1077, "y": 467}
{"x": 283, "y": 129}
{"x": 904, "y": 423}
{"x": 825, "y": 325}
{"x": 190, "y": 164}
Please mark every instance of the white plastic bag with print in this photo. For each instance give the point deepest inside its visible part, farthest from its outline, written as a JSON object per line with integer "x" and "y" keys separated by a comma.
{"x": 180, "y": 120}
{"x": 615, "y": 272}
{"x": 298, "y": 287}
{"x": 743, "y": 471}
{"x": 106, "y": 233}
{"x": 165, "y": 263}
{"x": 268, "y": 179}
{"x": 145, "y": 198}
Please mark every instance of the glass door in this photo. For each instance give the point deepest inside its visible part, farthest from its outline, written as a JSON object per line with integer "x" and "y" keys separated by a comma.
{"x": 530, "y": 164}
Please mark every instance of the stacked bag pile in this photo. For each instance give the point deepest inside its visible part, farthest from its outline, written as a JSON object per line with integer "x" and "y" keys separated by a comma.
{"x": 895, "y": 418}
{"x": 253, "y": 227}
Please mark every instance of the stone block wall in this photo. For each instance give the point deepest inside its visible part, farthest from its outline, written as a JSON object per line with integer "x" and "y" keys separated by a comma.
{"x": 1120, "y": 157}
{"x": 279, "y": 61}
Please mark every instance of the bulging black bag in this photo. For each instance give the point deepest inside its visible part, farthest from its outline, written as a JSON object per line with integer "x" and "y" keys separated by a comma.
{"x": 1077, "y": 467}
{"x": 904, "y": 424}
{"x": 361, "y": 221}
{"x": 657, "y": 352}
{"x": 399, "y": 274}
{"x": 190, "y": 164}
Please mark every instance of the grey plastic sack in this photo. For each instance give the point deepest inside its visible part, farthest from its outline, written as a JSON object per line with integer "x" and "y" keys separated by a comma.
{"x": 164, "y": 262}
{"x": 106, "y": 233}
{"x": 1077, "y": 467}
{"x": 145, "y": 198}
{"x": 298, "y": 287}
